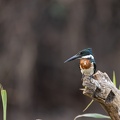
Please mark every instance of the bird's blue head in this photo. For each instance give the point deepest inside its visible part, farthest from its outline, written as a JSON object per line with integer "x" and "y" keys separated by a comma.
{"x": 85, "y": 53}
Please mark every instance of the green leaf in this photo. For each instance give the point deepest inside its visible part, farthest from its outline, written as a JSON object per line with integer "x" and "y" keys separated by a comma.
{"x": 88, "y": 105}
{"x": 114, "y": 78}
{"x": 4, "y": 102}
{"x": 92, "y": 115}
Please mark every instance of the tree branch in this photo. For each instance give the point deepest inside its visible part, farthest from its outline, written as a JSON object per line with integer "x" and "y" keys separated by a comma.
{"x": 101, "y": 89}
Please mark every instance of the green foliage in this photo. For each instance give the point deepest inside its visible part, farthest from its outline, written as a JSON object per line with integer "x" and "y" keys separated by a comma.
{"x": 92, "y": 115}
{"x": 4, "y": 102}
{"x": 114, "y": 78}
{"x": 88, "y": 105}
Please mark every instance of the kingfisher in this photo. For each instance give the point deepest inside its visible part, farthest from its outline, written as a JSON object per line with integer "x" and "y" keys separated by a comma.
{"x": 87, "y": 62}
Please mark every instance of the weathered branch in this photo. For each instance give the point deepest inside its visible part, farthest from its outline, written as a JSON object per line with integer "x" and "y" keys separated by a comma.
{"x": 101, "y": 89}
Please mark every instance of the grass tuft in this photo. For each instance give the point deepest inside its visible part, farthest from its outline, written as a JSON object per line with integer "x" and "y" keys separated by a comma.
{"x": 114, "y": 78}
{"x": 92, "y": 115}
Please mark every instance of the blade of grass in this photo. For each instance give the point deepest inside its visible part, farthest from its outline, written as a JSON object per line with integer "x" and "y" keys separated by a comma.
{"x": 114, "y": 78}
{"x": 92, "y": 115}
{"x": 4, "y": 103}
{"x": 88, "y": 105}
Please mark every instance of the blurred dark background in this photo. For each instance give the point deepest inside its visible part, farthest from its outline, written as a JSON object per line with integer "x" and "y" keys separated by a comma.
{"x": 36, "y": 36}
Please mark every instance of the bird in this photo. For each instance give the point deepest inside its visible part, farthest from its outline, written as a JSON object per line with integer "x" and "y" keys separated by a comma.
{"x": 87, "y": 62}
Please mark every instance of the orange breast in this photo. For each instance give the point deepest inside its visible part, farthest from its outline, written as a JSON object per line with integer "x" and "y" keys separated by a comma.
{"x": 85, "y": 63}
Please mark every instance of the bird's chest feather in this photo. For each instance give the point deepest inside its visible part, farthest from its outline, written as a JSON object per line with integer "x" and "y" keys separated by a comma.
{"x": 86, "y": 66}
{"x": 85, "y": 63}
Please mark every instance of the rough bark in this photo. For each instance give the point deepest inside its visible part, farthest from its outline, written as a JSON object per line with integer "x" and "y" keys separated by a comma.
{"x": 101, "y": 89}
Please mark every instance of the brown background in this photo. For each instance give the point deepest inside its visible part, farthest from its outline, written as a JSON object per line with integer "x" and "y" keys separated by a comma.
{"x": 36, "y": 36}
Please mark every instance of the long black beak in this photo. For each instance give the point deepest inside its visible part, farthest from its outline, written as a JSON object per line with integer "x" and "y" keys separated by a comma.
{"x": 73, "y": 58}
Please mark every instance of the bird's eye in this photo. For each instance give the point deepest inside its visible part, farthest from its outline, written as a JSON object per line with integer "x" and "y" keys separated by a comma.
{"x": 81, "y": 53}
